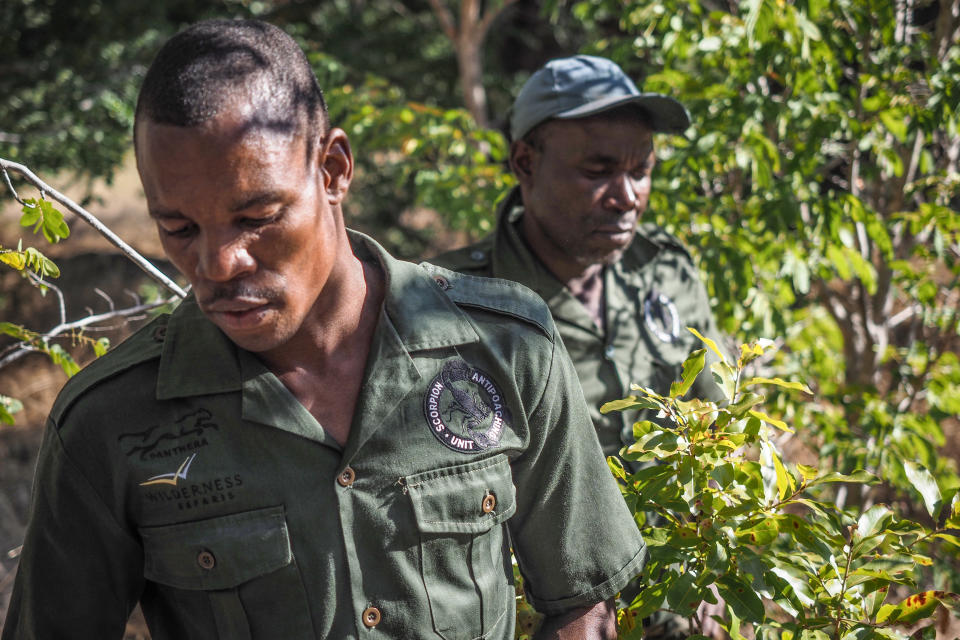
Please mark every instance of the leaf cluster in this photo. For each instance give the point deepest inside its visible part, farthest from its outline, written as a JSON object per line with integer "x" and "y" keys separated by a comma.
{"x": 725, "y": 516}
{"x": 58, "y": 355}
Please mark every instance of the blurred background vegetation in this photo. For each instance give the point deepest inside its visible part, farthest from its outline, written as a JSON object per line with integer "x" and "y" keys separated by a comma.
{"x": 819, "y": 186}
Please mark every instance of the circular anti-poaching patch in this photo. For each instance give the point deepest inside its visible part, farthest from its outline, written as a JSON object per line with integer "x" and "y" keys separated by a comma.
{"x": 660, "y": 315}
{"x": 465, "y": 409}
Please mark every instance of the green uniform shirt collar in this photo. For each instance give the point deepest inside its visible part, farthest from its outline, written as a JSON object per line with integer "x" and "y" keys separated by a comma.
{"x": 199, "y": 359}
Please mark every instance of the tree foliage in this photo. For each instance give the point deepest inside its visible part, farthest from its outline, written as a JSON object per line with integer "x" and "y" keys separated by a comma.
{"x": 738, "y": 521}
{"x": 819, "y": 187}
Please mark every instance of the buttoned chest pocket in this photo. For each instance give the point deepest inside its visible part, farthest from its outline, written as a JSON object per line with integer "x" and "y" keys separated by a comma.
{"x": 239, "y": 567}
{"x": 465, "y": 557}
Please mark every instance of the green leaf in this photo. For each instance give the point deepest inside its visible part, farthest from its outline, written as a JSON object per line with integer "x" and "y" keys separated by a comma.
{"x": 924, "y": 482}
{"x": 760, "y": 18}
{"x": 873, "y": 521}
{"x": 692, "y": 367}
{"x": 799, "y": 585}
{"x": 859, "y": 475}
{"x": 860, "y": 632}
{"x": 684, "y": 537}
{"x": 718, "y": 560}
{"x": 953, "y": 521}
{"x": 8, "y": 407}
{"x": 759, "y": 533}
{"x": 954, "y": 540}
{"x": 741, "y": 598}
{"x": 649, "y": 599}
{"x": 745, "y": 402}
{"x": 725, "y": 377}
{"x": 629, "y": 403}
{"x": 683, "y": 596}
{"x": 916, "y": 607}
{"x": 784, "y": 480}
{"x": 798, "y": 386}
{"x": 31, "y": 213}
{"x": 895, "y": 121}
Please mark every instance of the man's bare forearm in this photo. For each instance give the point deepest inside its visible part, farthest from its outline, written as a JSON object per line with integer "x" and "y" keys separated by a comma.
{"x": 598, "y": 622}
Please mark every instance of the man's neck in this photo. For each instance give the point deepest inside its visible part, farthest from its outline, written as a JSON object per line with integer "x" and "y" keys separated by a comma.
{"x": 325, "y": 371}
{"x": 342, "y": 321}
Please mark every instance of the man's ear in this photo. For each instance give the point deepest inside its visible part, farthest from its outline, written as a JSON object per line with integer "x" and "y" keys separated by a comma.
{"x": 336, "y": 165}
{"x": 522, "y": 158}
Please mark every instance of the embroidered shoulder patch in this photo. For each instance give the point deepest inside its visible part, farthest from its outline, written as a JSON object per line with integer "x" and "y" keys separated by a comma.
{"x": 464, "y": 408}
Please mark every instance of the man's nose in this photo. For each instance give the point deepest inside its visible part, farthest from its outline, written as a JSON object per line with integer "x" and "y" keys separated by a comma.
{"x": 225, "y": 258}
{"x": 622, "y": 193}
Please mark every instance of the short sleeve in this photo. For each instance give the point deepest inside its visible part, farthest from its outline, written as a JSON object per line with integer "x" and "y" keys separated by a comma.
{"x": 80, "y": 573}
{"x": 575, "y": 540}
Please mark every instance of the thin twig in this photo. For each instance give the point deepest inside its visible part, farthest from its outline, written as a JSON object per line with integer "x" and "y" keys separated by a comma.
{"x": 90, "y": 219}
{"x": 22, "y": 349}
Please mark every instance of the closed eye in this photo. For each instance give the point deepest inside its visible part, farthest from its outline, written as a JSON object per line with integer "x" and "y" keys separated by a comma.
{"x": 258, "y": 222}
{"x": 173, "y": 230}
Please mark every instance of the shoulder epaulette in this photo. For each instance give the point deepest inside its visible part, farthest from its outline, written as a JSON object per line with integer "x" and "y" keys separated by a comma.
{"x": 146, "y": 344}
{"x": 656, "y": 235}
{"x": 493, "y": 294}
{"x": 474, "y": 257}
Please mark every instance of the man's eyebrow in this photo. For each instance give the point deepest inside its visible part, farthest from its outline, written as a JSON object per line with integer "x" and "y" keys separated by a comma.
{"x": 257, "y": 199}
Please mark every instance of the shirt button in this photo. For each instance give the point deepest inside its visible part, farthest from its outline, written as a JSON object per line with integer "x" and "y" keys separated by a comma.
{"x": 160, "y": 333}
{"x": 489, "y": 503}
{"x": 371, "y": 617}
{"x": 346, "y": 477}
{"x": 608, "y": 352}
{"x": 477, "y": 255}
{"x": 442, "y": 282}
{"x": 206, "y": 560}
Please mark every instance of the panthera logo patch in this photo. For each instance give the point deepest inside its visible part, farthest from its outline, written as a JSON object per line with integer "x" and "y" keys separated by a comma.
{"x": 465, "y": 409}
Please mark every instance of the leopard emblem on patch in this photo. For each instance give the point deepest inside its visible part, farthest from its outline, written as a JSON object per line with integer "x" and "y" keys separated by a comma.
{"x": 465, "y": 409}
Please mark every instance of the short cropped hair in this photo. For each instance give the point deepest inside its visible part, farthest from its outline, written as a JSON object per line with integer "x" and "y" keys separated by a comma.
{"x": 200, "y": 71}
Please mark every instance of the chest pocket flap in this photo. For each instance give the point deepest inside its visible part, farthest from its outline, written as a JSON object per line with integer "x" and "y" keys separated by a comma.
{"x": 217, "y": 553}
{"x": 467, "y": 498}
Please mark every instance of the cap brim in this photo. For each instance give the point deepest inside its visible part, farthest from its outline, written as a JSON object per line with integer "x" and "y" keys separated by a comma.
{"x": 666, "y": 114}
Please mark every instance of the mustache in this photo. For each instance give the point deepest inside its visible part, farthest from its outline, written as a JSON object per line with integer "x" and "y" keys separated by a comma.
{"x": 240, "y": 290}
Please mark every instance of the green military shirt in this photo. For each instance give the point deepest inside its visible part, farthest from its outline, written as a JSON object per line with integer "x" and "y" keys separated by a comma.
{"x": 179, "y": 472}
{"x": 651, "y": 295}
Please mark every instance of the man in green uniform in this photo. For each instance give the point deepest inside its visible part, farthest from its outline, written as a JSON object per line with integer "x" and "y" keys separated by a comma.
{"x": 320, "y": 441}
{"x": 622, "y": 294}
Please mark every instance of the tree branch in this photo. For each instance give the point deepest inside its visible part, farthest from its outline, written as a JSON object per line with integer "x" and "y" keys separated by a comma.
{"x": 19, "y": 350}
{"x": 445, "y": 17}
{"x": 90, "y": 219}
{"x": 490, "y": 16}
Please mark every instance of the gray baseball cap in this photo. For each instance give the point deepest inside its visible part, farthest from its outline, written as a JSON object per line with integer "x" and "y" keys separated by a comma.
{"x": 582, "y": 86}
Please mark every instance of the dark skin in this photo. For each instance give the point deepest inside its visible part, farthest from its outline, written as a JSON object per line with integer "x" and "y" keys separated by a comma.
{"x": 585, "y": 184}
{"x": 260, "y": 236}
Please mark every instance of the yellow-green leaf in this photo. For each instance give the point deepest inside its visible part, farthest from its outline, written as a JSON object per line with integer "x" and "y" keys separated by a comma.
{"x": 692, "y": 367}
{"x": 710, "y": 343}
{"x": 779, "y": 424}
{"x": 797, "y": 386}
{"x": 15, "y": 259}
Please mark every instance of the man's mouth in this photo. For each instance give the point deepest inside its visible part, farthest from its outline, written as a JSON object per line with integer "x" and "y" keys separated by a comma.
{"x": 237, "y": 314}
